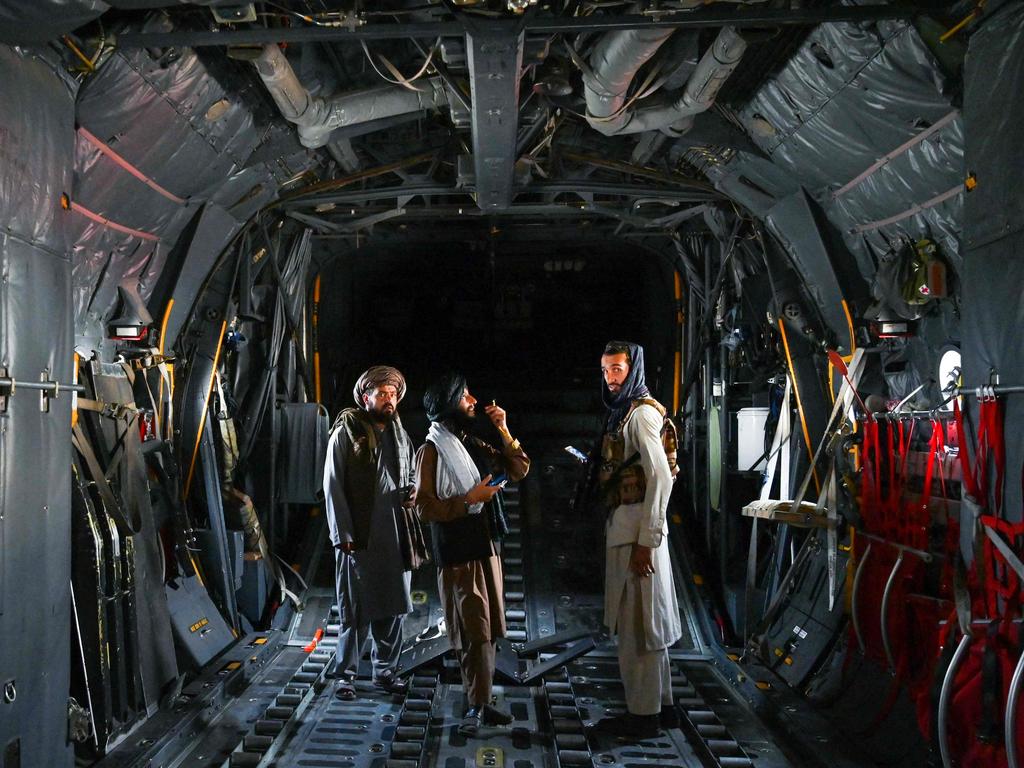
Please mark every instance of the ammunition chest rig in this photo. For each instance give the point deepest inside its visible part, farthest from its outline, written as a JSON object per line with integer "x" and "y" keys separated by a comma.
{"x": 622, "y": 480}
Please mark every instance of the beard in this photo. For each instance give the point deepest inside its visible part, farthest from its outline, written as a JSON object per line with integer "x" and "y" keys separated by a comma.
{"x": 384, "y": 415}
{"x": 464, "y": 421}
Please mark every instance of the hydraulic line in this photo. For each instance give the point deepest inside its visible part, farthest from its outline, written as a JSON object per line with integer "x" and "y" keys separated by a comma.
{"x": 799, "y": 403}
{"x": 316, "y": 338}
{"x": 205, "y": 410}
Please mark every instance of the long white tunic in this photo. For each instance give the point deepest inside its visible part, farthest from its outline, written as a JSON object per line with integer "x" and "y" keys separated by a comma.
{"x": 643, "y": 523}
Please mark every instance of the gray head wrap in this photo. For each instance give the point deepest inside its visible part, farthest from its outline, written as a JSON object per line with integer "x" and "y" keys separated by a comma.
{"x": 379, "y": 376}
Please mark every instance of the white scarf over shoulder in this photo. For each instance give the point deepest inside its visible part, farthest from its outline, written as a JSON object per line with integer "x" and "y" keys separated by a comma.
{"x": 456, "y": 471}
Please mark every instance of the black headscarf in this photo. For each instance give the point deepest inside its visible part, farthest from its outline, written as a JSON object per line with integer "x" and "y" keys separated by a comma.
{"x": 441, "y": 400}
{"x": 634, "y": 387}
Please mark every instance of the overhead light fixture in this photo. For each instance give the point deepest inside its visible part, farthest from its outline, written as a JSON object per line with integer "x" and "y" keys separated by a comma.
{"x": 133, "y": 321}
{"x": 234, "y": 14}
{"x": 217, "y": 110}
{"x": 518, "y": 6}
{"x": 761, "y": 126}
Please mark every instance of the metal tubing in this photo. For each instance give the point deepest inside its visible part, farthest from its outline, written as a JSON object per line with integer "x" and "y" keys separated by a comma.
{"x": 316, "y": 116}
{"x": 709, "y": 310}
{"x": 945, "y": 694}
{"x": 1010, "y": 724}
{"x": 714, "y": 17}
{"x": 698, "y": 96}
{"x": 981, "y": 393}
{"x": 989, "y": 391}
{"x": 925, "y": 556}
{"x": 50, "y": 387}
{"x": 680, "y": 192}
{"x": 898, "y": 416}
{"x": 1006, "y": 551}
{"x": 723, "y": 486}
{"x": 854, "y": 592}
{"x": 885, "y": 612}
{"x": 614, "y": 63}
{"x": 270, "y": 524}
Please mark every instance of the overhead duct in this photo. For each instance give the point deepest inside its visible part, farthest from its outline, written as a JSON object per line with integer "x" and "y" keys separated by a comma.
{"x": 316, "y": 116}
{"x": 613, "y": 65}
{"x": 618, "y": 58}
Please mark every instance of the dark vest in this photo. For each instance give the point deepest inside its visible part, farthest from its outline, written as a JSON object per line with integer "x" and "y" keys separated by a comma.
{"x": 462, "y": 540}
{"x": 360, "y": 470}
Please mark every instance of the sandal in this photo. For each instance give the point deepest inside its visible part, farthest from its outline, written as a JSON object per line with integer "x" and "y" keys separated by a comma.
{"x": 470, "y": 722}
{"x": 391, "y": 684}
{"x": 344, "y": 691}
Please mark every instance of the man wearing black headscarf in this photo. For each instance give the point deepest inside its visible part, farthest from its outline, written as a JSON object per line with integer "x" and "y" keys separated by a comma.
{"x": 451, "y": 496}
{"x": 640, "y": 600}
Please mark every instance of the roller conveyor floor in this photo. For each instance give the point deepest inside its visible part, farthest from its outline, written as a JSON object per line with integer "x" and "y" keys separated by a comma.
{"x": 283, "y": 712}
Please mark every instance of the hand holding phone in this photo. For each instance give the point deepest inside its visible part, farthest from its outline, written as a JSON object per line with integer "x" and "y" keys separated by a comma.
{"x": 499, "y": 479}
{"x": 482, "y": 492}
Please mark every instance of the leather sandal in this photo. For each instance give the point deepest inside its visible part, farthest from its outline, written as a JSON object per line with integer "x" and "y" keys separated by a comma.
{"x": 391, "y": 684}
{"x": 470, "y": 722}
{"x": 345, "y": 691}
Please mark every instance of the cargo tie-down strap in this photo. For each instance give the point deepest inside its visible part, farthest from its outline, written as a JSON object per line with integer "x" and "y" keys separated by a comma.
{"x": 113, "y": 506}
{"x": 987, "y": 539}
{"x": 975, "y": 720}
{"x": 827, "y": 496}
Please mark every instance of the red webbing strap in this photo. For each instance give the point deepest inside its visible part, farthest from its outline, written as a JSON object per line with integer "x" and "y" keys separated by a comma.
{"x": 870, "y": 478}
{"x": 885, "y": 500}
{"x": 889, "y": 512}
{"x": 965, "y": 461}
{"x": 876, "y": 509}
{"x": 952, "y": 542}
{"x": 990, "y": 446}
{"x": 907, "y": 514}
{"x": 921, "y": 518}
{"x": 998, "y": 443}
{"x": 1002, "y": 586}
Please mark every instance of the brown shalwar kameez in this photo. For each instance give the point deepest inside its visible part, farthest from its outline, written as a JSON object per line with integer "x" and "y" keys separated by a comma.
{"x": 472, "y": 591}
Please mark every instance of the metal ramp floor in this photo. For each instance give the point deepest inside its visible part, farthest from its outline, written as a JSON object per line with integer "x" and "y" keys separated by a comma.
{"x": 283, "y": 713}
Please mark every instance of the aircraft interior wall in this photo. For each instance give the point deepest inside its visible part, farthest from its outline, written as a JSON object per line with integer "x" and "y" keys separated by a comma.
{"x": 205, "y": 283}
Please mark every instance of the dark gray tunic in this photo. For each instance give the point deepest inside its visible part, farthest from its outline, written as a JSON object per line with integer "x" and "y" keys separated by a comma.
{"x": 373, "y": 582}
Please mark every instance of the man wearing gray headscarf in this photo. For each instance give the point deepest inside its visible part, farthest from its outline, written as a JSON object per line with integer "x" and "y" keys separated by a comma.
{"x": 640, "y": 604}
{"x": 452, "y": 496}
{"x": 377, "y": 537}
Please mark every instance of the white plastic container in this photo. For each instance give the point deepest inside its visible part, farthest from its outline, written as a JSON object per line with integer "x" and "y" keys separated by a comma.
{"x": 750, "y": 439}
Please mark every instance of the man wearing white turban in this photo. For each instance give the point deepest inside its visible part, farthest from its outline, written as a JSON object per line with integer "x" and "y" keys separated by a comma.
{"x": 377, "y": 537}
{"x": 451, "y": 496}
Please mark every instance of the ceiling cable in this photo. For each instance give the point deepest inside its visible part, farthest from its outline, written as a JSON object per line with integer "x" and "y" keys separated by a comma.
{"x": 405, "y": 82}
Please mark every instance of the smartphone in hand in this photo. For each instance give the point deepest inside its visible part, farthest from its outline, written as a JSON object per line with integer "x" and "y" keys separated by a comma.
{"x": 577, "y": 454}
{"x": 499, "y": 479}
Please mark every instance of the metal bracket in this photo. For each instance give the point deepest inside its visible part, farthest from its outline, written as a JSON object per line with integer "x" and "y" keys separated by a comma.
{"x": 48, "y": 389}
{"x": 44, "y": 394}
{"x": 421, "y": 653}
{"x": 509, "y": 665}
{"x": 79, "y": 722}
{"x": 495, "y": 57}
